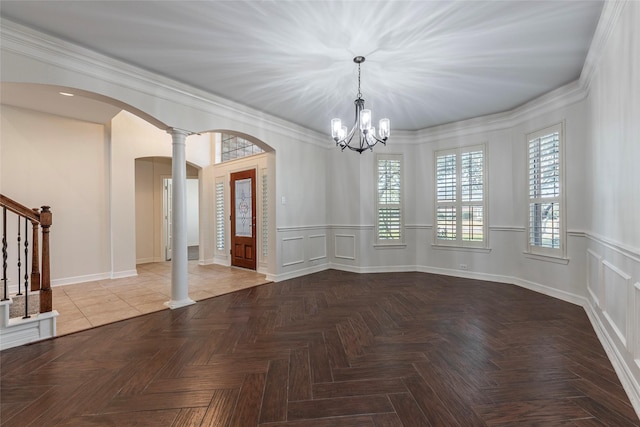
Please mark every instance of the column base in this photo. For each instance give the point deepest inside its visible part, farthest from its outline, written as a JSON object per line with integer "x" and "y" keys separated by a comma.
{"x": 181, "y": 303}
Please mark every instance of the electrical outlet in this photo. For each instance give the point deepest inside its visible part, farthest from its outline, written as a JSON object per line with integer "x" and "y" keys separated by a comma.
{"x": 463, "y": 266}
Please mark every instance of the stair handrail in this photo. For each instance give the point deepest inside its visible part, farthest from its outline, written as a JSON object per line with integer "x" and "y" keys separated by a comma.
{"x": 20, "y": 209}
{"x": 43, "y": 218}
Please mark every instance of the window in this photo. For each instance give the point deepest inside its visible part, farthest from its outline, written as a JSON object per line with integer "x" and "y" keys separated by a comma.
{"x": 388, "y": 197}
{"x": 460, "y": 197}
{"x": 233, "y": 147}
{"x": 265, "y": 217}
{"x": 545, "y": 210}
{"x": 220, "y": 214}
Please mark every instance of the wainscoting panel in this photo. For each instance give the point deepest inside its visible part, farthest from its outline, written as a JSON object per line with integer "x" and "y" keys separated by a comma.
{"x": 616, "y": 283}
{"x": 615, "y": 301}
{"x": 594, "y": 278}
{"x": 317, "y": 247}
{"x": 345, "y": 246}
{"x": 636, "y": 322}
{"x": 292, "y": 250}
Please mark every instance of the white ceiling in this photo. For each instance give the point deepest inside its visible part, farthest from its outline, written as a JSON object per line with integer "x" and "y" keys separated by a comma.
{"x": 428, "y": 62}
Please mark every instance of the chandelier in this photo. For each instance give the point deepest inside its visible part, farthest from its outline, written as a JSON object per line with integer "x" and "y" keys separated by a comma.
{"x": 367, "y": 138}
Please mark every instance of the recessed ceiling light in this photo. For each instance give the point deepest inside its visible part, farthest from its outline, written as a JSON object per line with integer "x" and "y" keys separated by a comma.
{"x": 65, "y": 93}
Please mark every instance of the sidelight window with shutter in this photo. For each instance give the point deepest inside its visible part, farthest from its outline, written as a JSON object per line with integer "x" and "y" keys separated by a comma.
{"x": 265, "y": 216}
{"x": 220, "y": 222}
{"x": 389, "y": 228}
{"x": 460, "y": 189}
{"x": 545, "y": 208}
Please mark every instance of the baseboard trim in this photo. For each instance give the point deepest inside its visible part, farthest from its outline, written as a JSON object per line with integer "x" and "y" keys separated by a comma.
{"x": 297, "y": 273}
{"x": 536, "y": 287}
{"x": 80, "y": 279}
{"x": 629, "y": 382}
{"x": 123, "y": 274}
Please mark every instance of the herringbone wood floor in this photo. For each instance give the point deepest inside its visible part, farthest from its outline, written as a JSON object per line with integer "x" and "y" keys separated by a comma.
{"x": 328, "y": 349}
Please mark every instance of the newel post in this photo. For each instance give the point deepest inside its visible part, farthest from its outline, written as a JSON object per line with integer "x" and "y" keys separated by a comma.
{"x": 46, "y": 300}
{"x": 35, "y": 254}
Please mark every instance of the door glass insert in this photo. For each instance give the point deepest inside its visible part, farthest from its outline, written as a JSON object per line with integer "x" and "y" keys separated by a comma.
{"x": 244, "y": 214}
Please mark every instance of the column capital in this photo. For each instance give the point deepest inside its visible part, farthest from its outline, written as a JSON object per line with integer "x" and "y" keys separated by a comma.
{"x": 177, "y": 132}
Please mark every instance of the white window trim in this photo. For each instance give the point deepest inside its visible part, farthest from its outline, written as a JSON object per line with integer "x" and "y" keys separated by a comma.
{"x": 559, "y": 253}
{"x": 459, "y": 243}
{"x": 399, "y": 243}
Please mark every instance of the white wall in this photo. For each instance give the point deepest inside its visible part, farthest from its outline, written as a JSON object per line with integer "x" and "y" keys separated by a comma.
{"x": 301, "y": 204}
{"x": 612, "y": 181}
{"x": 146, "y": 249}
{"x": 193, "y": 212}
{"x": 63, "y": 163}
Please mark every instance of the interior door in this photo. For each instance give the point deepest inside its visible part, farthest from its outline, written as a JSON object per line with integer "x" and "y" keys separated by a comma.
{"x": 243, "y": 219}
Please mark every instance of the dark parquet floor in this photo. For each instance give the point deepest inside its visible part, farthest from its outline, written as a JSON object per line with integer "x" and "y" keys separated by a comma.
{"x": 328, "y": 349}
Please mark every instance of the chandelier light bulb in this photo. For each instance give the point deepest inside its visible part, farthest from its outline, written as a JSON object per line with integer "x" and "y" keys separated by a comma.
{"x": 384, "y": 128}
{"x": 336, "y": 125}
{"x": 365, "y": 120}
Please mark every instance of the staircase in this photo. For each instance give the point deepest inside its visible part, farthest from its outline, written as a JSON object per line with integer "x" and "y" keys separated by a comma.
{"x": 26, "y": 306}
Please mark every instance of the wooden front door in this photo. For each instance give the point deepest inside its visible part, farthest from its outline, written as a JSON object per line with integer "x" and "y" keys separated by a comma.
{"x": 243, "y": 219}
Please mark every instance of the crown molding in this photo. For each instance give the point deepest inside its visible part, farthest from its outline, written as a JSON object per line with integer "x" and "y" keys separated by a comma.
{"x": 611, "y": 11}
{"x": 50, "y": 50}
{"x": 564, "y": 96}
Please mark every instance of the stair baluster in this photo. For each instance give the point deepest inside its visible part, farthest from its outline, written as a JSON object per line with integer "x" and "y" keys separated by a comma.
{"x": 26, "y": 263}
{"x": 19, "y": 260}
{"x": 5, "y": 295}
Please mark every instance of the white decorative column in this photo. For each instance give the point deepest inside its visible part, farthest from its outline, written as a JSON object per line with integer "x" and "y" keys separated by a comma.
{"x": 179, "y": 257}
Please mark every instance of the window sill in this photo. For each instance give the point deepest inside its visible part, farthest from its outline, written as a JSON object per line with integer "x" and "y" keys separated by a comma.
{"x": 461, "y": 248}
{"x": 547, "y": 258}
{"x": 390, "y": 245}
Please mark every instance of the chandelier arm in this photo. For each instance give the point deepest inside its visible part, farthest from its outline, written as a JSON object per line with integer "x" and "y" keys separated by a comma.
{"x": 363, "y": 141}
{"x": 383, "y": 141}
{"x": 344, "y": 142}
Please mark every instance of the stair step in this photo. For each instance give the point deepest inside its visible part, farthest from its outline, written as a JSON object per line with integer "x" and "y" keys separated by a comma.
{"x": 17, "y": 307}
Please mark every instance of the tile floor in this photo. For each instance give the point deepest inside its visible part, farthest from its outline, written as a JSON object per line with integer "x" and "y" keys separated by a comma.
{"x": 86, "y": 305}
